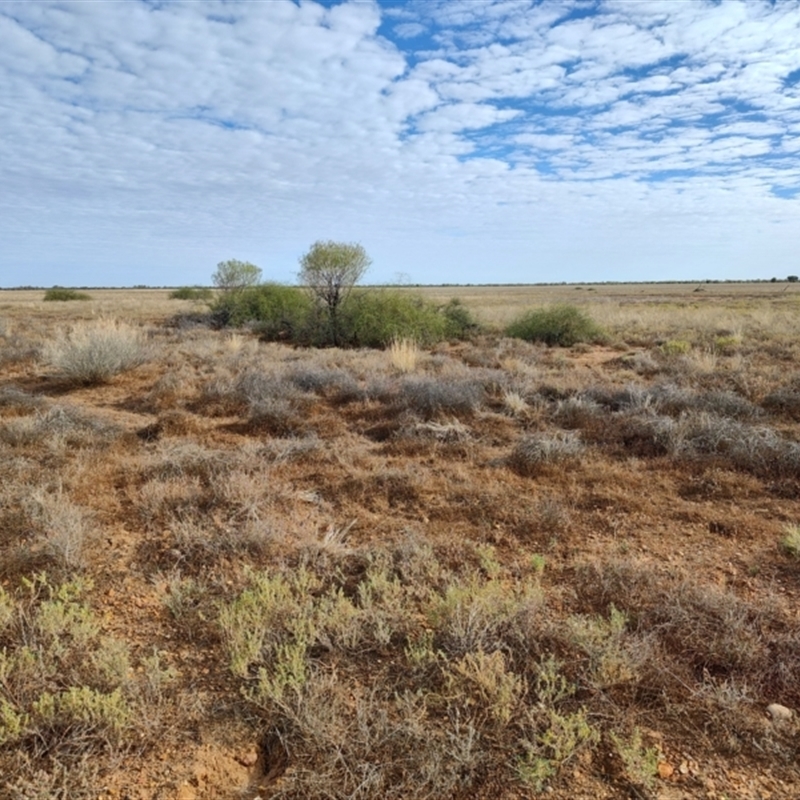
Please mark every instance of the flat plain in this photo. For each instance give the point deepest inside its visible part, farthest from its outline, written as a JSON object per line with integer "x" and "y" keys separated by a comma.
{"x": 489, "y": 568}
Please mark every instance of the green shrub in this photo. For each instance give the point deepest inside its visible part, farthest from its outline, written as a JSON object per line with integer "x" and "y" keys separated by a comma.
{"x": 460, "y": 324}
{"x": 375, "y": 318}
{"x": 58, "y": 293}
{"x": 365, "y": 319}
{"x": 561, "y": 325}
{"x": 790, "y": 543}
{"x": 676, "y": 347}
{"x": 277, "y": 312}
{"x": 198, "y": 293}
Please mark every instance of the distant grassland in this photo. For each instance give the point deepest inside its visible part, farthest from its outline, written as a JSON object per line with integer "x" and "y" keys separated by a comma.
{"x": 650, "y": 310}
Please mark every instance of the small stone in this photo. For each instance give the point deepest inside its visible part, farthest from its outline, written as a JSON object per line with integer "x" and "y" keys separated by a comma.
{"x": 683, "y": 768}
{"x": 248, "y": 758}
{"x": 665, "y": 770}
{"x": 779, "y": 712}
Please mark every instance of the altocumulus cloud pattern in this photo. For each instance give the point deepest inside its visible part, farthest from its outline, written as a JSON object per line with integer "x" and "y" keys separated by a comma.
{"x": 458, "y": 141}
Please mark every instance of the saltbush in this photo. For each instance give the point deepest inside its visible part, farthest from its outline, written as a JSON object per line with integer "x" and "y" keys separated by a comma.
{"x": 560, "y": 325}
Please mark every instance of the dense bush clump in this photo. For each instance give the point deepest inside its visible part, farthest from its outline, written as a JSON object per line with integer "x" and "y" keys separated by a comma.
{"x": 365, "y": 319}
{"x": 375, "y": 318}
{"x": 276, "y": 312}
{"x": 459, "y": 320}
{"x": 59, "y": 294}
{"x": 560, "y": 325}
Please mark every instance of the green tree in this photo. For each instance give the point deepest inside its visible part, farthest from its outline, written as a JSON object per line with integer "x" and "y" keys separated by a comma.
{"x": 233, "y": 274}
{"x": 330, "y": 270}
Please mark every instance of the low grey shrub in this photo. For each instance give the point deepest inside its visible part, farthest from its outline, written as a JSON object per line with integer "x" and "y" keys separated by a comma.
{"x": 15, "y": 349}
{"x": 728, "y": 404}
{"x": 539, "y": 449}
{"x": 333, "y": 383}
{"x": 13, "y": 398}
{"x": 752, "y": 448}
{"x": 58, "y": 424}
{"x": 278, "y": 416}
{"x": 577, "y": 411}
{"x": 430, "y": 397}
{"x": 785, "y": 399}
{"x": 274, "y": 404}
{"x": 95, "y": 352}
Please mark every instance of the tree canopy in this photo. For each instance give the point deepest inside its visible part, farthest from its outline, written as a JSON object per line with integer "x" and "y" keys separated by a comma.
{"x": 330, "y": 270}
{"x": 233, "y": 274}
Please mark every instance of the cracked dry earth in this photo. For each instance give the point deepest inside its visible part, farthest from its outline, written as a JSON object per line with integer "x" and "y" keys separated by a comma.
{"x": 174, "y": 469}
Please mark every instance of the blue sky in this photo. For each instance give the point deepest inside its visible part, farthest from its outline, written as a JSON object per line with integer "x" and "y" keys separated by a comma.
{"x": 461, "y": 141}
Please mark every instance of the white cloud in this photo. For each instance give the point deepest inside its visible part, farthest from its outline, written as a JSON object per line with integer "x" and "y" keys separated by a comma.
{"x": 145, "y": 143}
{"x": 409, "y": 30}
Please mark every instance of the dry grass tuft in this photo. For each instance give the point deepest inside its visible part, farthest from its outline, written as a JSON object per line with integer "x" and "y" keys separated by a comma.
{"x": 94, "y": 352}
{"x": 404, "y": 355}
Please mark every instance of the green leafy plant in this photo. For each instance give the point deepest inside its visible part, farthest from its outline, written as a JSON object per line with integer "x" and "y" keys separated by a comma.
{"x": 790, "y": 543}
{"x": 277, "y": 312}
{"x": 375, "y": 318}
{"x": 485, "y": 684}
{"x": 561, "y": 325}
{"x": 640, "y": 762}
{"x": 676, "y": 347}
{"x": 460, "y": 322}
{"x": 555, "y": 740}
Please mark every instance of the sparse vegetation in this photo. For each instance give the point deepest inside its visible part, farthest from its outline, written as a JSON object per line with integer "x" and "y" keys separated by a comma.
{"x": 463, "y": 567}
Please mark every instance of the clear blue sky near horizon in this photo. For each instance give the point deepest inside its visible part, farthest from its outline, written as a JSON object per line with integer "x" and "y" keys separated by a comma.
{"x": 460, "y": 141}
